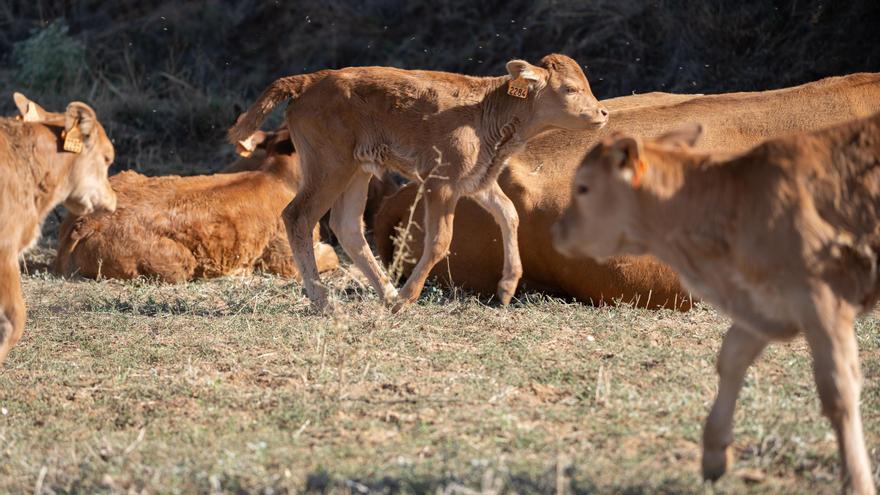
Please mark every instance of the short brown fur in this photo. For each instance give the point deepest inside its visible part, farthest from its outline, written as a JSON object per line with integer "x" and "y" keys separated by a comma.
{"x": 785, "y": 239}
{"x": 537, "y": 182}
{"x": 349, "y": 123}
{"x": 178, "y": 229}
{"x": 36, "y": 174}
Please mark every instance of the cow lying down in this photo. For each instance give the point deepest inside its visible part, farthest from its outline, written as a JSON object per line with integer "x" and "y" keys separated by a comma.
{"x": 537, "y": 182}
{"x": 785, "y": 239}
{"x": 182, "y": 228}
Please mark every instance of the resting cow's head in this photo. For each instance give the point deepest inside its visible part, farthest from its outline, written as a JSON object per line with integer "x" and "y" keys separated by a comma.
{"x": 603, "y": 218}
{"x": 561, "y": 92}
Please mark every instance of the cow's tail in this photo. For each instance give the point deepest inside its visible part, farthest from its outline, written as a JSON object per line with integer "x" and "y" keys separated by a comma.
{"x": 279, "y": 91}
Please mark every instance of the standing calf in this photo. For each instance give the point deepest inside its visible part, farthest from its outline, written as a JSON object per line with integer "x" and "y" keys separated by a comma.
{"x": 37, "y": 172}
{"x": 538, "y": 179}
{"x": 348, "y": 124}
{"x": 784, "y": 239}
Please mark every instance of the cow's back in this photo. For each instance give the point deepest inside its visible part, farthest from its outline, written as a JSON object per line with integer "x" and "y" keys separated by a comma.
{"x": 538, "y": 180}
{"x": 176, "y": 228}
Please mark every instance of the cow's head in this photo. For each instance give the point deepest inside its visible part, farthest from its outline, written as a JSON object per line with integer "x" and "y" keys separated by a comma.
{"x": 603, "y": 218}
{"x": 561, "y": 92}
{"x": 88, "y": 184}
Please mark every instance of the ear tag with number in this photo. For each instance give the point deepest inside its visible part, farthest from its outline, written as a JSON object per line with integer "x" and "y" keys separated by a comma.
{"x": 518, "y": 87}
{"x": 73, "y": 141}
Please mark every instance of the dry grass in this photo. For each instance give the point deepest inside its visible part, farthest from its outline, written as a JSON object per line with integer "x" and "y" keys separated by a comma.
{"x": 232, "y": 386}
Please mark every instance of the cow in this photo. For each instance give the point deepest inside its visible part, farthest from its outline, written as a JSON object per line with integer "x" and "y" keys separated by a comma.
{"x": 177, "y": 229}
{"x": 455, "y": 132}
{"x": 537, "y": 179}
{"x": 784, "y": 239}
{"x": 46, "y": 159}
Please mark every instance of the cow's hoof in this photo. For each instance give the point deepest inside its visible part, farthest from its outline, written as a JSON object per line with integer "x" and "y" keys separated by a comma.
{"x": 715, "y": 463}
{"x": 399, "y": 305}
{"x": 506, "y": 290}
{"x": 391, "y": 297}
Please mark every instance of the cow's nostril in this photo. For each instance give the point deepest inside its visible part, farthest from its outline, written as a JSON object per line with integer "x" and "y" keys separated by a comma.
{"x": 603, "y": 111}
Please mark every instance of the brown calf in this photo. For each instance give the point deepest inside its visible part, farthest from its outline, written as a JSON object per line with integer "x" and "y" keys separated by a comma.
{"x": 537, "y": 182}
{"x": 785, "y": 239}
{"x": 350, "y": 123}
{"x": 181, "y": 228}
{"x": 36, "y": 174}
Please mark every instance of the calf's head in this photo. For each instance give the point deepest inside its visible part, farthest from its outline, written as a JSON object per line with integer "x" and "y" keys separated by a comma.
{"x": 605, "y": 216}
{"x": 561, "y": 92}
{"x": 88, "y": 185}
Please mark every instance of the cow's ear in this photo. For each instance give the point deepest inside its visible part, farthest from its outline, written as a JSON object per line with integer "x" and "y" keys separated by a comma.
{"x": 684, "y": 136}
{"x": 534, "y": 75}
{"x": 246, "y": 147}
{"x": 80, "y": 124}
{"x": 627, "y": 158}
{"x": 82, "y": 115}
{"x": 30, "y": 111}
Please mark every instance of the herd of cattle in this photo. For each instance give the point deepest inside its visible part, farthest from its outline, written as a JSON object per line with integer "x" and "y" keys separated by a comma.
{"x": 768, "y": 208}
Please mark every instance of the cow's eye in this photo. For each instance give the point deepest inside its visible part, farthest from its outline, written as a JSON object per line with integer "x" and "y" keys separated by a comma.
{"x": 582, "y": 189}
{"x": 571, "y": 90}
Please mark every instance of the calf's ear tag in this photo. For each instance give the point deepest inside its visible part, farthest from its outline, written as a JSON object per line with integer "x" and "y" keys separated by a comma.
{"x": 73, "y": 141}
{"x": 639, "y": 172}
{"x": 518, "y": 87}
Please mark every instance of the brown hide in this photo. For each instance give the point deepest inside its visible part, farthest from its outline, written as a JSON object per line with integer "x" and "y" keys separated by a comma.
{"x": 538, "y": 182}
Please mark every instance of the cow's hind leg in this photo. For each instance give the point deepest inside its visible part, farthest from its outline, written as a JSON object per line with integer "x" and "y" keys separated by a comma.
{"x": 440, "y": 200}
{"x": 832, "y": 340}
{"x": 738, "y": 350}
{"x": 324, "y": 180}
{"x": 12, "y": 309}
{"x": 501, "y": 207}
{"x": 346, "y": 220}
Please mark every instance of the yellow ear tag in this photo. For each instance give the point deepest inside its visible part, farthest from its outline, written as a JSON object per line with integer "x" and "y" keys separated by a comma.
{"x": 73, "y": 141}
{"x": 640, "y": 169}
{"x": 518, "y": 87}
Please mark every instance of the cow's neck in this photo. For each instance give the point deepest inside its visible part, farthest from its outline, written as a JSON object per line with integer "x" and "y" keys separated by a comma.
{"x": 676, "y": 204}
{"x": 51, "y": 176}
{"x": 505, "y": 122}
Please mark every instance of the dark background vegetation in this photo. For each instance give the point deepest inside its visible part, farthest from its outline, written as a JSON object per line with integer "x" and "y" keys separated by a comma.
{"x": 168, "y": 77}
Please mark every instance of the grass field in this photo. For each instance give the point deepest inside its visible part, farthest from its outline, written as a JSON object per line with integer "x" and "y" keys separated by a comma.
{"x": 232, "y": 386}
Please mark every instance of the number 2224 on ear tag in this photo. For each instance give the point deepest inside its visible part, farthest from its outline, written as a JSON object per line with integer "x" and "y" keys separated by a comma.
{"x": 518, "y": 87}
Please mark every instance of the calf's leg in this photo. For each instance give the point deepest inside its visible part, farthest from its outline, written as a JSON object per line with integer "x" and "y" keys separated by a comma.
{"x": 739, "y": 350}
{"x": 440, "y": 202}
{"x": 501, "y": 207}
{"x": 838, "y": 379}
{"x": 12, "y": 309}
{"x": 346, "y": 220}
{"x": 324, "y": 180}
